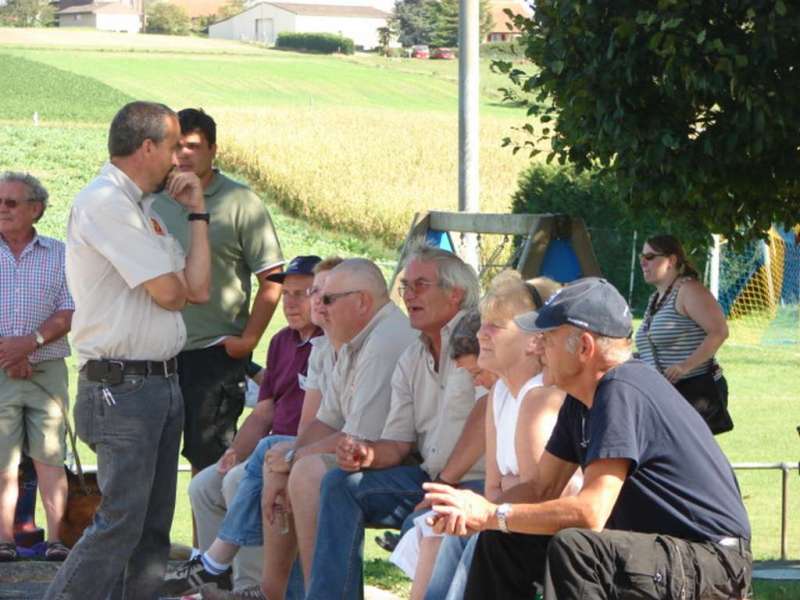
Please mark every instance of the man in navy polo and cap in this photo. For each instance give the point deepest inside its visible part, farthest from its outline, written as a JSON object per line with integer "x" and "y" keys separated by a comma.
{"x": 660, "y": 514}
{"x": 277, "y": 415}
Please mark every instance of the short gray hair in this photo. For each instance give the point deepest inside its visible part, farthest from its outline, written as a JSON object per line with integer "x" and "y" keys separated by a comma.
{"x": 464, "y": 339}
{"x": 36, "y": 191}
{"x": 614, "y": 350}
{"x": 367, "y": 273}
{"x": 452, "y": 271}
{"x": 136, "y": 122}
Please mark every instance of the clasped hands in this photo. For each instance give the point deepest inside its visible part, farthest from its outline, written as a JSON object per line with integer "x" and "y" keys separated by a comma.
{"x": 457, "y": 511}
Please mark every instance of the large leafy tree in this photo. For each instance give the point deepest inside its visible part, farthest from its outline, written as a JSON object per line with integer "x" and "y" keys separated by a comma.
{"x": 693, "y": 105}
{"x": 27, "y": 13}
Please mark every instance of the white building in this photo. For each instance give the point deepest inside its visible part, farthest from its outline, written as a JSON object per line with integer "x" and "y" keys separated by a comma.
{"x": 107, "y": 16}
{"x": 263, "y": 22}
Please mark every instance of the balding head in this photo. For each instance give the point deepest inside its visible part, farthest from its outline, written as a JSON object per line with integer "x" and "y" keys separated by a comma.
{"x": 365, "y": 275}
{"x": 353, "y": 293}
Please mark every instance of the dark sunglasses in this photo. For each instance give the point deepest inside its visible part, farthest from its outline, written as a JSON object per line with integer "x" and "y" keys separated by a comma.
{"x": 648, "y": 256}
{"x": 9, "y": 202}
{"x": 328, "y": 299}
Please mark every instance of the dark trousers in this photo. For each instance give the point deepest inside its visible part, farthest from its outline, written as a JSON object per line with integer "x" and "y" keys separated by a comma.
{"x": 582, "y": 564}
{"x": 213, "y": 387}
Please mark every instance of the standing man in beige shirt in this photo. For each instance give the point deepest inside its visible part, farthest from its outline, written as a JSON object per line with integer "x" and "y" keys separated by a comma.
{"x": 130, "y": 279}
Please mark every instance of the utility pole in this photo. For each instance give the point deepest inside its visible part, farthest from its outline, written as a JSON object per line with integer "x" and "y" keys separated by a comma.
{"x": 468, "y": 120}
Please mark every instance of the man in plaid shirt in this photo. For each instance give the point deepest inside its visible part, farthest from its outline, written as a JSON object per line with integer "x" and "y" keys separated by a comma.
{"x": 35, "y": 315}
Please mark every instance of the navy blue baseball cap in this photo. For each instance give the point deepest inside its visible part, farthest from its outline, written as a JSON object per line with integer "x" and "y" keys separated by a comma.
{"x": 299, "y": 265}
{"x": 590, "y": 303}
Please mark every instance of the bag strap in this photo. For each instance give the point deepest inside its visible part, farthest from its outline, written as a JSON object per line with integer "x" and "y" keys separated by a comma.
{"x": 70, "y": 434}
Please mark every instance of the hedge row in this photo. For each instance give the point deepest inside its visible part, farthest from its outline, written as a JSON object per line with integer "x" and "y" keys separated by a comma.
{"x": 323, "y": 43}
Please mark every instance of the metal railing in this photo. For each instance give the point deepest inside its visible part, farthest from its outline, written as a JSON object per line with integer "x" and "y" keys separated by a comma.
{"x": 784, "y": 467}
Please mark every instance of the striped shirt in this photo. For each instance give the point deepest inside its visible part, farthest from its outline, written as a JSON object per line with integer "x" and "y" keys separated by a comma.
{"x": 32, "y": 288}
{"x": 675, "y": 337}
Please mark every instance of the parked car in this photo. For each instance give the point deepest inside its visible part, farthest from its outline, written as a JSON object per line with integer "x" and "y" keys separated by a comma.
{"x": 443, "y": 53}
{"x": 420, "y": 51}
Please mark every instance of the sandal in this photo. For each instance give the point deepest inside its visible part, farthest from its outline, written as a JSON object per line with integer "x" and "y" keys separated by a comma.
{"x": 8, "y": 552}
{"x": 56, "y": 552}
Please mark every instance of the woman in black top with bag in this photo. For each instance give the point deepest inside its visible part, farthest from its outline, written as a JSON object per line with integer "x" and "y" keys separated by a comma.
{"x": 682, "y": 330}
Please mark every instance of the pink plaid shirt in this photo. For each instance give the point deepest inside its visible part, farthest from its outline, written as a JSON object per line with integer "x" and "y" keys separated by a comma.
{"x": 32, "y": 288}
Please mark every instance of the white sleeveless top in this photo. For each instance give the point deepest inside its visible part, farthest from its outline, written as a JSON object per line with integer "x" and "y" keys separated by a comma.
{"x": 506, "y": 410}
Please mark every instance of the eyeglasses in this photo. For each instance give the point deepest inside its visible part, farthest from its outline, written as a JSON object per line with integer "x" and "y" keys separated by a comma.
{"x": 417, "y": 286}
{"x": 648, "y": 256}
{"x": 9, "y": 202}
{"x": 313, "y": 291}
{"x": 328, "y": 299}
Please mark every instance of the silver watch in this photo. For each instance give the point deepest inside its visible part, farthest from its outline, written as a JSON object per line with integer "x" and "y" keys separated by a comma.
{"x": 289, "y": 457}
{"x": 502, "y": 513}
{"x": 39, "y": 338}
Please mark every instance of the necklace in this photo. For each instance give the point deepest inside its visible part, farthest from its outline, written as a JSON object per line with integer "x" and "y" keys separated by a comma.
{"x": 656, "y": 302}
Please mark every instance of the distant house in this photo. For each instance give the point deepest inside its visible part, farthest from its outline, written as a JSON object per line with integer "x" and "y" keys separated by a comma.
{"x": 105, "y": 16}
{"x": 263, "y": 22}
{"x": 500, "y": 29}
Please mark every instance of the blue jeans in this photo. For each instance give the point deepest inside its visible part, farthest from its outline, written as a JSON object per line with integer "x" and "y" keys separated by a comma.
{"x": 242, "y": 523}
{"x": 349, "y": 502}
{"x": 449, "y": 578}
{"x": 123, "y": 553}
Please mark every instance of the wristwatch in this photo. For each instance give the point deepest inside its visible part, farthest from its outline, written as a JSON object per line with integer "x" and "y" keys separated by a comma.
{"x": 39, "y": 338}
{"x": 502, "y": 513}
{"x": 289, "y": 457}
{"x": 200, "y": 217}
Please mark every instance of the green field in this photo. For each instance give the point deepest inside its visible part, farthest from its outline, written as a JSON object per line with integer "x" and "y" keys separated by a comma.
{"x": 76, "y": 100}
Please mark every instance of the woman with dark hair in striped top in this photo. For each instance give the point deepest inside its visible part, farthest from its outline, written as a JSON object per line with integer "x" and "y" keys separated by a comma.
{"x": 683, "y": 326}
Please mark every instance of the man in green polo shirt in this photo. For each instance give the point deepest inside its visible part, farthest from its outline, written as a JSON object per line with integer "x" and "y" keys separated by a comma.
{"x": 221, "y": 334}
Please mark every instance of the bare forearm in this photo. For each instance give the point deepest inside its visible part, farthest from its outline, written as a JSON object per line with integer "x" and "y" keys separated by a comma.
{"x": 255, "y": 427}
{"x": 198, "y": 264}
{"x": 705, "y": 351}
{"x": 389, "y": 454}
{"x": 548, "y": 518}
{"x": 326, "y": 445}
{"x": 312, "y": 435}
{"x": 56, "y": 326}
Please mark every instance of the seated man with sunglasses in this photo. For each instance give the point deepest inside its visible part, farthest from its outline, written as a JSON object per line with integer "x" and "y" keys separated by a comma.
{"x": 368, "y": 333}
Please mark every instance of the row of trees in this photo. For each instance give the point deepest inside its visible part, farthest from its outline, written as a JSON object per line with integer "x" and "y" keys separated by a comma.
{"x": 433, "y": 22}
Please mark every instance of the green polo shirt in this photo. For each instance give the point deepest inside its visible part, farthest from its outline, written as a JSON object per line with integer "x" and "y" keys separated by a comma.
{"x": 243, "y": 242}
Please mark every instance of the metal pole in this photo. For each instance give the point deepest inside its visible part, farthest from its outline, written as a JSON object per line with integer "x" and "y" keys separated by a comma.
{"x": 784, "y": 514}
{"x": 713, "y": 285}
{"x": 468, "y": 122}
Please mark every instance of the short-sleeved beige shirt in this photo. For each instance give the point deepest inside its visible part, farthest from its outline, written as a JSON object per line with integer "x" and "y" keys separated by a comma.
{"x": 115, "y": 242}
{"x": 430, "y": 407}
{"x": 321, "y": 362}
{"x": 356, "y": 399}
